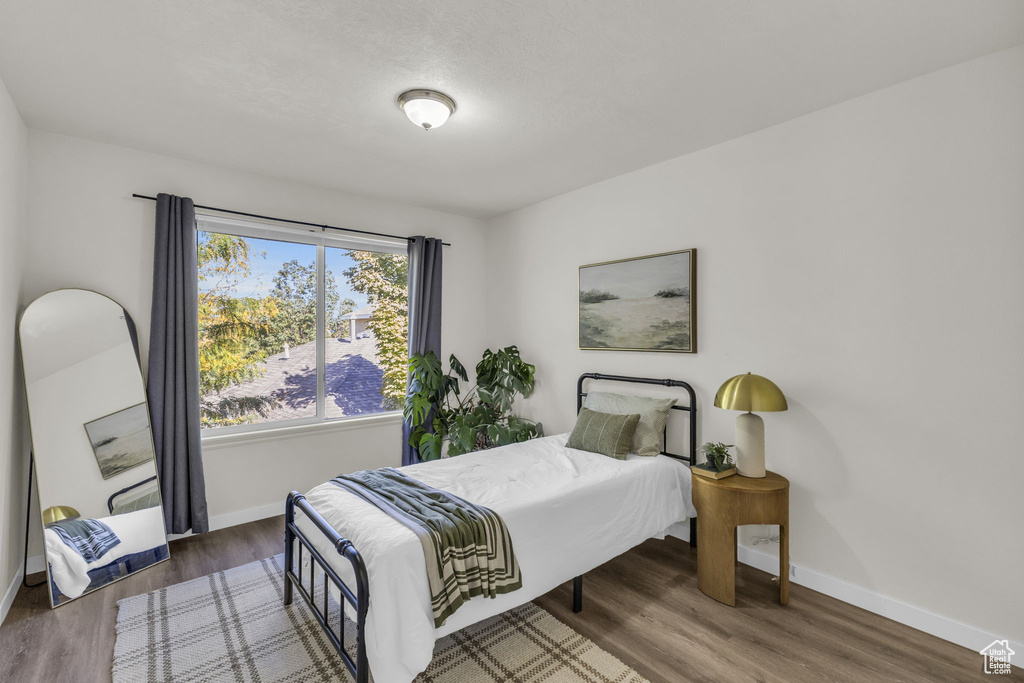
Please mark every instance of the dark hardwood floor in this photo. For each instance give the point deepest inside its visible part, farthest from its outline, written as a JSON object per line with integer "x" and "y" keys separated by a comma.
{"x": 643, "y": 607}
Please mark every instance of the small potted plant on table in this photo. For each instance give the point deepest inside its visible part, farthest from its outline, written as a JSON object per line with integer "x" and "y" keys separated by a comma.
{"x": 718, "y": 461}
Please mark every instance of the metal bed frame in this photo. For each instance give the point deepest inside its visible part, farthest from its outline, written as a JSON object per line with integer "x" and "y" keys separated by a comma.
{"x": 359, "y": 599}
{"x": 126, "y": 489}
{"x": 690, "y": 408}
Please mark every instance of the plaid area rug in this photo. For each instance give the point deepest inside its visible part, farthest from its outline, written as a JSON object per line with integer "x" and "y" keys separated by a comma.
{"x": 232, "y": 627}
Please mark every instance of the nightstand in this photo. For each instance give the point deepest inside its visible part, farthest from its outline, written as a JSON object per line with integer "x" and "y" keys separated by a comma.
{"x": 724, "y": 504}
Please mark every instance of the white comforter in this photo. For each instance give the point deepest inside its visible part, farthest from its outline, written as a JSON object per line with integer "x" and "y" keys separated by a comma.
{"x": 567, "y": 511}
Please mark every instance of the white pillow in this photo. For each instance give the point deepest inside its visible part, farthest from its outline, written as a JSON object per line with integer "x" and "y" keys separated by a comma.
{"x": 650, "y": 432}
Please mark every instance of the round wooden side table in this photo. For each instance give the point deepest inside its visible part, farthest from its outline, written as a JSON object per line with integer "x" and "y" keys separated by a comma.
{"x": 724, "y": 504}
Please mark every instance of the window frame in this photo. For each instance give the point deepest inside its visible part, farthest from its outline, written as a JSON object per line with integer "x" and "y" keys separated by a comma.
{"x": 321, "y": 239}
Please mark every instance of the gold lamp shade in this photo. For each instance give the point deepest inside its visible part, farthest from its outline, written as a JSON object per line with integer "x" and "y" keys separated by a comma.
{"x": 56, "y": 513}
{"x": 750, "y": 393}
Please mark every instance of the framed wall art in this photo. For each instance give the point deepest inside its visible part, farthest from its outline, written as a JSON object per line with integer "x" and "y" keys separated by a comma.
{"x": 647, "y": 303}
{"x": 121, "y": 440}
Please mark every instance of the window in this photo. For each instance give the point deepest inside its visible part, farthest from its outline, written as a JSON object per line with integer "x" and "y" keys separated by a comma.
{"x": 298, "y": 327}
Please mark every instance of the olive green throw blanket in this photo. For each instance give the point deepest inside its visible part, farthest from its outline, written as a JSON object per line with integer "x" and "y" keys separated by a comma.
{"x": 467, "y": 547}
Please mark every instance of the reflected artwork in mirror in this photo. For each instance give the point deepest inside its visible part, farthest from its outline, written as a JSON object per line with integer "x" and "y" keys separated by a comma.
{"x": 122, "y": 440}
{"x": 96, "y": 473}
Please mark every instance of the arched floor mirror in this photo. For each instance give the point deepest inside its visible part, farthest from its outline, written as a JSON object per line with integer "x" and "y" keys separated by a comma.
{"x": 96, "y": 475}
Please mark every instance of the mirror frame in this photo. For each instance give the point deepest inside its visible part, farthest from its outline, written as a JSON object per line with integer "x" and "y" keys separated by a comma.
{"x": 133, "y": 335}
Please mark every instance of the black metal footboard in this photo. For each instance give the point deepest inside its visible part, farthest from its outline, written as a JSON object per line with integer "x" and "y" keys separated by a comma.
{"x": 293, "y": 574}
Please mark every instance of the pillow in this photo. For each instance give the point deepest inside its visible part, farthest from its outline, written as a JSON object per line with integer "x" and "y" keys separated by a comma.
{"x": 653, "y": 415}
{"x": 602, "y": 433}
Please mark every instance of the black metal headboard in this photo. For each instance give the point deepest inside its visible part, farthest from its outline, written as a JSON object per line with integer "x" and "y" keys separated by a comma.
{"x": 691, "y": 408}
{"x": 126, "y": 489}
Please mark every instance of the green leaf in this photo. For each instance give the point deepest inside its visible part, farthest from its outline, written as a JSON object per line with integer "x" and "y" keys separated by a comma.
{"x": 451, "y": 384}
{"x": 467, "y": 434}
{"x": 485, "y": 395}
{"x": 458, "y": 368}
{"x": 500, "y": 435}
{"x": 430, "y": 447}
{"x": 415, "y": 435}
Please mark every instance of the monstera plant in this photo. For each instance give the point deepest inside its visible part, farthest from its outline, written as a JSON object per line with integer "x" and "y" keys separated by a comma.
{"x": 438, "y": 409}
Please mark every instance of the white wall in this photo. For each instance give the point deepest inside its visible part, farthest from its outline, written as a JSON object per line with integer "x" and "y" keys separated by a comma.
{"x": 867, "y": 259}
{"x": 100, "y": 385}
{"x": 13, "y": 455}
{"x": 87, "y": 231}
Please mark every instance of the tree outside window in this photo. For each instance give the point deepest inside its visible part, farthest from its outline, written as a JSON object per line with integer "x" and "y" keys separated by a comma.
{"x": 259, "y": 354}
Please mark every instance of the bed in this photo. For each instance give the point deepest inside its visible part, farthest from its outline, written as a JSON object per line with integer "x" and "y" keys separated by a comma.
{"x": 141, "y": 543}
{"x": 567, "y": 511}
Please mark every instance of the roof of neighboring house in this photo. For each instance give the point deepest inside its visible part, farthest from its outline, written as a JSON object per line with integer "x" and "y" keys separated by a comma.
{"x": 352, "y": 380}
{"x": 362, "y": 313}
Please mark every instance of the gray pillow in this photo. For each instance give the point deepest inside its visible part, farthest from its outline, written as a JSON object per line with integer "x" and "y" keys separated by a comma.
{"x": 653, "y": 413}
{"x": 603, "y": 433}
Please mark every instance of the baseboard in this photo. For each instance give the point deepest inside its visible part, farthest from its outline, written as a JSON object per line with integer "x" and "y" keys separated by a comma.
{"x": 249, "y": 515}
{"x": 944, "y": 627}
{"x": 230, "y": 519}
{"x": 36, "y": 563}
{"x": 10, "y": 594}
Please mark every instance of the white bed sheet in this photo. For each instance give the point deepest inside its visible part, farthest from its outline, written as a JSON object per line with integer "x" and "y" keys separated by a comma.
{"x": 567, "y": 511}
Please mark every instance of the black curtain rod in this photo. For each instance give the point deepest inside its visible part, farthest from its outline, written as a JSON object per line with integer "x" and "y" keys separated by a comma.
{"x": 288, "y": 220}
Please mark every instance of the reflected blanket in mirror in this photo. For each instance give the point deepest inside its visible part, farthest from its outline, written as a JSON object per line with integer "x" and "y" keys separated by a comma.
{"x": 90, "y": 538}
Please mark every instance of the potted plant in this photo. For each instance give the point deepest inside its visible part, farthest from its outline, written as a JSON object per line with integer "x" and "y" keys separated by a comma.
{"x": 718, "y": 461}
{"x": 471, "y": 420}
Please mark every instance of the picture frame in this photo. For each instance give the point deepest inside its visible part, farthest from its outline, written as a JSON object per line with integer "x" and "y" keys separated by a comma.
{"x": 121, "y": 440}
{"x": 644, "y": 303}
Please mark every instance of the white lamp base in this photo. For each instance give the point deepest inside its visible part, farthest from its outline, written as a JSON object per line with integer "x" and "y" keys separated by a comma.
{"x": 750, "y": 445}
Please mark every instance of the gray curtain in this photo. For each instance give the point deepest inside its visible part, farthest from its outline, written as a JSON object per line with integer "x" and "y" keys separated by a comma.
{"x": 424, "y": 311}
{"x": 173, "y": 387}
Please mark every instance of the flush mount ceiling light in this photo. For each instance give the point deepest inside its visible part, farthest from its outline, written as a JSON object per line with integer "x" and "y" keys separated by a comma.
{"x": 426, "y": 108}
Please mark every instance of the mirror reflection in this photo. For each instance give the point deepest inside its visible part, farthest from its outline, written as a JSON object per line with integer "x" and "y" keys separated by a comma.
{"x": 95, "y": 467}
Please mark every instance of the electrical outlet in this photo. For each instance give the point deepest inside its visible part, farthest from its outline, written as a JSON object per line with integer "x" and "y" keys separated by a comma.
{"x": 757, "y": 540}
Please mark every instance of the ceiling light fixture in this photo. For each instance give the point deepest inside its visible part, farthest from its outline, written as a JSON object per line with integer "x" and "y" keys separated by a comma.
{"x": 426, "y": 108}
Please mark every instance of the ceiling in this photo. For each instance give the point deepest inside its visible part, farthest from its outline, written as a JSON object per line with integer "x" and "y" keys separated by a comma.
{"x": 552, "y": 95}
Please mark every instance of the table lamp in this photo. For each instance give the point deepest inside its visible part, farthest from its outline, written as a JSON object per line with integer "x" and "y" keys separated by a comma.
{"x": 56, "y": 513}
{"x": 750, "y": 393}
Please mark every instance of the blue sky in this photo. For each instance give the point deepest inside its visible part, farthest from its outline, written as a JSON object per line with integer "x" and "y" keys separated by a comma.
{"x": 269, "y": 255}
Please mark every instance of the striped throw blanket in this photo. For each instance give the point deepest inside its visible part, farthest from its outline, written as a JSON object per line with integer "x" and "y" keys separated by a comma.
{"x": 467, "y": 547}
{"x": 90, "y": 538}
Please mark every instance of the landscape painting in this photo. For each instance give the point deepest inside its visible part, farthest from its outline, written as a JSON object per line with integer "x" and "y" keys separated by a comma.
{"x": 640, "y": 304}
{"x": 121, "y": 440}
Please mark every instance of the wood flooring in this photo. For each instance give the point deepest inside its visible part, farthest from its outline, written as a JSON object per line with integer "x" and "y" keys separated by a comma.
{"x": 643, "y": 607}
